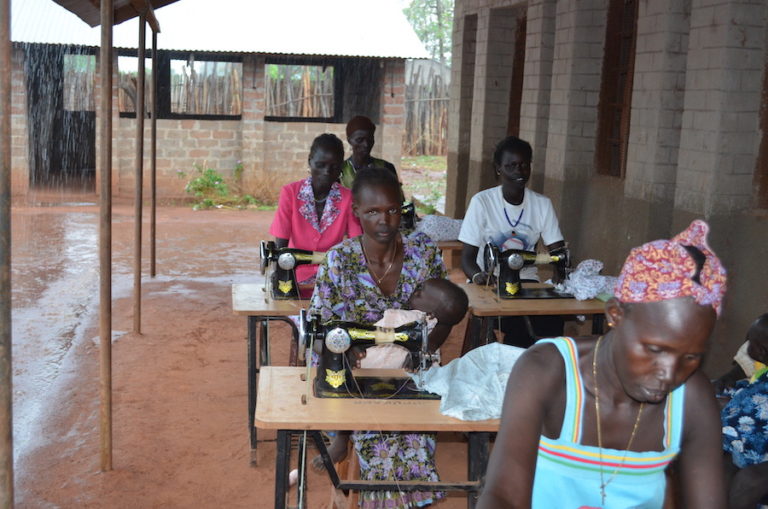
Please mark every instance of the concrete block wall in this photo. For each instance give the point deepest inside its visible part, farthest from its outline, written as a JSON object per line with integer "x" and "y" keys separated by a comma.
{"x": 657, "y": 100}
{"x": 252, "y": 122}
{"x": 19, "y": 134}
{"x": 534, "y": 111}
{"x": 578, "y": 56}
{"x": 271, "y": 153}
{"x": 460, "y": 110}
{"x": 693, "y": 140}
{"x": 725, "y": 66}
{"x": 182, "y": 147}
{"x": 490, "y": 103}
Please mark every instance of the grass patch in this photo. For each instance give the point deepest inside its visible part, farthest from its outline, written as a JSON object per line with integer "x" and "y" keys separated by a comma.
{"x": 424, "y": 179}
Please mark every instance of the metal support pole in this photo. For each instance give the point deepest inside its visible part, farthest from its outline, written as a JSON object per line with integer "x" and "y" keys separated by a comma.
{"x": 139, "y": 180}
{"x": 105, "y": 235}
{"x": 153, "y": 163}
{"x": 6, "y": 392}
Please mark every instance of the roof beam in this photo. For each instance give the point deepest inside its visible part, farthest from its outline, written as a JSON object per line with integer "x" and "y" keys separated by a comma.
{"x": 144, "y": 7}
{"x": 89, "y": 10}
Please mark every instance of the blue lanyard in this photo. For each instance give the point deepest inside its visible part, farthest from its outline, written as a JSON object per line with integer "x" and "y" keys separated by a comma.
{"x": 518, "y": 218}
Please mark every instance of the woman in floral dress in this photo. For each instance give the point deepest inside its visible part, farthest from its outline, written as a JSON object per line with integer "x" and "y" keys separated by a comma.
{"x": 360, "y": 279}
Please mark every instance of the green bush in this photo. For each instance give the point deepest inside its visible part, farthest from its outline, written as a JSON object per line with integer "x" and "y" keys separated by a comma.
{"x": 211, "y": 189}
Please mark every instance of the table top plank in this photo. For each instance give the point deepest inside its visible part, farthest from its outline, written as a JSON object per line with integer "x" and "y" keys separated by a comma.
{"x": 279, "y": 406}
{"x": 484, "y": 302}
{"x": 250, "y": 299}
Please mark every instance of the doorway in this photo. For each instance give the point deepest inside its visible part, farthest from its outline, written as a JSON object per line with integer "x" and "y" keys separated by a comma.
{"x": 61, "y": 116}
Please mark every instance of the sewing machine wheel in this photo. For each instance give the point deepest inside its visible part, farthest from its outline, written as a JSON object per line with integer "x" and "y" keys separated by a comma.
{"x": 286, "y": 261}
{"x": 264, "y": 255}
{"x": 490, "y": 258}
{"x": 338, "y": 340}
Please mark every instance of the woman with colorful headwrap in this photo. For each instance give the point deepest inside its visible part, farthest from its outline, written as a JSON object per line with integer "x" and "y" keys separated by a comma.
{"x": 594, "y": 423}
{"x": 360, "y": 132}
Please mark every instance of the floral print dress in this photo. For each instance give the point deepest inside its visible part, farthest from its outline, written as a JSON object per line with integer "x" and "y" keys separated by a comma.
{"x": 745, "y": 422}
{"x": 345, "y": 290}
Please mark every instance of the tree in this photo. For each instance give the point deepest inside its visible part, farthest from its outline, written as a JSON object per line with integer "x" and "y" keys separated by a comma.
{"x": 433, "y": 22}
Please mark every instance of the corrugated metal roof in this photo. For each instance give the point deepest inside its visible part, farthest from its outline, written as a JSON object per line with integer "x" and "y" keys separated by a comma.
{"x": 369, "y": 28}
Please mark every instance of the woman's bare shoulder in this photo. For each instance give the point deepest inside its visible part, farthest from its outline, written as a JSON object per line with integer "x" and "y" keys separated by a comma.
{"x": 542, "y": 360}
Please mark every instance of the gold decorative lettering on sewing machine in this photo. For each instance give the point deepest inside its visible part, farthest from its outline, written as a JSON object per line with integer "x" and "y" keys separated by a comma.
{"x": 279, "y": 266}
{"x": 332, "y": 341}
{"x": 507, "y": 265}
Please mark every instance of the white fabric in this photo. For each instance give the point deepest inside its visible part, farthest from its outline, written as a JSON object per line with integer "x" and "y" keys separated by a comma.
{"x": 743, "y": 359}
{"x": 439, "y": 227}
{"x": 485, "y": 221}
{"x": 585, "y": 282}
{"x": 392, "y": 356}
{"x": 472, "y": 387}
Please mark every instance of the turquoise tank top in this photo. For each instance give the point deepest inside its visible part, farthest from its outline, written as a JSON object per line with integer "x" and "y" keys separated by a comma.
{"x": 568, "y": 473}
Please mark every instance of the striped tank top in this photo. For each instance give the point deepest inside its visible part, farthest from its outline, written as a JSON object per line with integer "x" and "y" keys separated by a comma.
{"x": 568, "y": 473}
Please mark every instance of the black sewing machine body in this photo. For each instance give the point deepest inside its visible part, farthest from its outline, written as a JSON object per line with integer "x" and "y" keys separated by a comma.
{"x": 408, "y": 216}
{"x": 281, "y": 264}
{"x": 334, "y": 377}
{"x": 511, "y": 261}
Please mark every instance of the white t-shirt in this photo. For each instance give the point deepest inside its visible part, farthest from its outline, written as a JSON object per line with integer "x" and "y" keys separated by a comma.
{"x": 490, "y": 218}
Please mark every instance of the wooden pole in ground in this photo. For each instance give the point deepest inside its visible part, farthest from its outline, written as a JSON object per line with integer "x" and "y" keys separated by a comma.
{"x": 6, "y": 389}
{"x": 105, "y": 235}
{"x": 153, "y": 163}
{"x": 139, "y": 178}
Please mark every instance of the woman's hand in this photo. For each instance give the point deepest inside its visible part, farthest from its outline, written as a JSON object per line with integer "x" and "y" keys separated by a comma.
{"x": 355, "y": 355}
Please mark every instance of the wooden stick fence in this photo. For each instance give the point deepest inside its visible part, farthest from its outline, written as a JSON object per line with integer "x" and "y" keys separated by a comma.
{"x": 426, "y": 113}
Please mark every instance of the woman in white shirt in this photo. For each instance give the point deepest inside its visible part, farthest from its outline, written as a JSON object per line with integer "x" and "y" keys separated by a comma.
{"x": 511, "y": 217}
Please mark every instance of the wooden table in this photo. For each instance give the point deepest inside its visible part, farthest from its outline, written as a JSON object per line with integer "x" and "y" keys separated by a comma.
{"x": 449, "y": 249}
{"x": 281, "y": 407}
{"x": 250, "y": 300}
{"x": 484, "y": 305}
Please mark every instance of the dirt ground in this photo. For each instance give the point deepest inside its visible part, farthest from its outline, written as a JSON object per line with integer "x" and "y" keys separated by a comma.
{"x": 180, "y": 437}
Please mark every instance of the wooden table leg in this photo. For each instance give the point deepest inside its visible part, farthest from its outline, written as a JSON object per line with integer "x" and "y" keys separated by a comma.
{"x": 477, "y": 450}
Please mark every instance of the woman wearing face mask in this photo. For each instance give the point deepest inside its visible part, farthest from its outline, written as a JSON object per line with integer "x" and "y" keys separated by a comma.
{"x": 315, "y": 213}
{"x": 594, "y": 422}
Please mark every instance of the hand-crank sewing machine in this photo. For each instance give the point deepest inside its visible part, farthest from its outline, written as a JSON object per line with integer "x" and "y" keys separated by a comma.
{"x": 511, "y": 261}
{"x": 334, "y": 378}
{"x": 281, "y": 264}
{"x": 408, "y": 216}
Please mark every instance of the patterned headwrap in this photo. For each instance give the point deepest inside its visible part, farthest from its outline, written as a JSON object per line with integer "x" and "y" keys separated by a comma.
{"x": 360, "y": 123}
{"x": 663, "y": 269}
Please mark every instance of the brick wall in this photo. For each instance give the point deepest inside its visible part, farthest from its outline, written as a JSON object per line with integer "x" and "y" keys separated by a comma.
{"x": 534, "y": 111}
{"x": 725, "y": 65}
{"x": 657, "y": 100}
{"x": 693, "y": 138}
{"x": 578, "y": 56}
{"x": 182, "y": 145}
{"x": 271, "y": 153}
